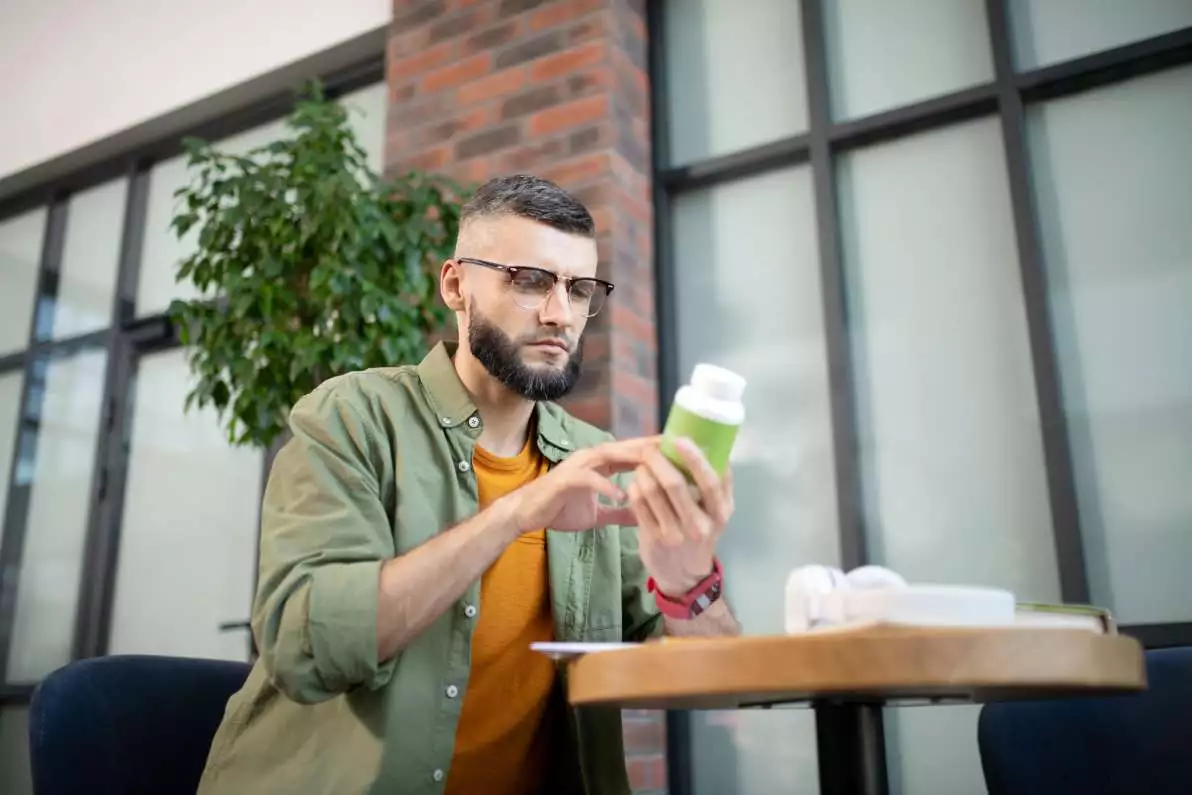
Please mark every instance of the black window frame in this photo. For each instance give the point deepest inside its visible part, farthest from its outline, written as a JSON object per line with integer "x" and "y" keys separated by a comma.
{"x": 354, "y": 65}
{"x": 826, "y": 139}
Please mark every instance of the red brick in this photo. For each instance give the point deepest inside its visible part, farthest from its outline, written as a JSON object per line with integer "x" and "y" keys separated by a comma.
{"x": 602, "y": 217}
{"x": 646, "y": 772}
{"x": 492, "y": 86}
{"x": 407, "y": 43}
{"x": 412, "y": 13}
{"x": 568, "y": 61}
{"x": 530, "y": 49}
{"x": 444, "y": 131}
{"x": 432, "y": 160}
{"x": 532, "y": 157}
{"x": 491, "y": 38}
{"x": 487, "y": 141}
{"x": 415, "y": 65}
{"x": 557, "y": 13}
{"x": 461, "y": 72}
{"x": 578, "y": 172}
{"x": 572, "y": 114}
{"x": 644, "y": 735}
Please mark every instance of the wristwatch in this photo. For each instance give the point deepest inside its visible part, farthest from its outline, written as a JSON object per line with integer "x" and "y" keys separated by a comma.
{"x": 695, "y": 601}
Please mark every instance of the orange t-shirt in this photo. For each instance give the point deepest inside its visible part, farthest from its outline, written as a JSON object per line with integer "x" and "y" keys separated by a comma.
{"x": 501, "y": 741}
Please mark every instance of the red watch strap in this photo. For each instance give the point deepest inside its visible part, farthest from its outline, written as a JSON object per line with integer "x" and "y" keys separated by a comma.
{"x": 695, "y": 601}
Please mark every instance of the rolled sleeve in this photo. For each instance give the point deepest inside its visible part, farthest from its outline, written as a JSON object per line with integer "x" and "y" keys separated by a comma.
{"x": 325, "y": 533}
{"x": 343, "y": 624}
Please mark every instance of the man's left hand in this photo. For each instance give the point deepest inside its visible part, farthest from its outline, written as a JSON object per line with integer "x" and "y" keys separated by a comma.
{"x": 679, "y": 524}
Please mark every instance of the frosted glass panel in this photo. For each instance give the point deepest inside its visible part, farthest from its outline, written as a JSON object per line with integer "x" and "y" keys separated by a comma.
{"x": 755, "y": 307}
{"x": 59, "y": 505}
{"x": 10, "y": 404}
{"x": 1049, "y": 31}
{"x": 90, "y": 259}
{"x": 882, "y": 54}
{"x": 954, "y": 485}
{"x": 15, "y": 775}
{"x": 189, "y": 497}
{"x": 1118, "y": 247}
{"x": 734, "y": 75}
{"x": 163, "y": 250}
{"x": 20, "y": 260}
{"x": 366, "y": 116}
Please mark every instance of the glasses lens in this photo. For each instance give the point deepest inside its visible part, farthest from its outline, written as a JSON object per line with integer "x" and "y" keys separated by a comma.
{"x": 587, "y": 296}
{"x": 531, "y": 286}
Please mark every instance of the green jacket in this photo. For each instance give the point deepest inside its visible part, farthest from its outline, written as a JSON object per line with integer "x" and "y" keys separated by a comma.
{"x": 379, "y": 462}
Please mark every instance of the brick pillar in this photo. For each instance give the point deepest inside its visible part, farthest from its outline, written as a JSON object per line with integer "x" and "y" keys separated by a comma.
{"x": 559, "y": 89}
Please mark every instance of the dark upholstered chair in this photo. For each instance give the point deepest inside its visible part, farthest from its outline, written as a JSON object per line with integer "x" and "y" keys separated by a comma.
{"x": 128, "y": 724}
{"x": 1138, "y": 744}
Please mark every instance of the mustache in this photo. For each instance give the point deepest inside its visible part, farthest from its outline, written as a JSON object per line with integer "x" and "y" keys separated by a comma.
{"x": 561, "y": 337}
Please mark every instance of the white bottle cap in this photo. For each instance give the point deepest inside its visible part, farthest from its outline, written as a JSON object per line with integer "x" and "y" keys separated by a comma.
{"x": 717, "y": 383}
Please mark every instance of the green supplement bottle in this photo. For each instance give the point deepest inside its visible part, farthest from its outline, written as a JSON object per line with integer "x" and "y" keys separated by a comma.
{"x": 709, "y": 412}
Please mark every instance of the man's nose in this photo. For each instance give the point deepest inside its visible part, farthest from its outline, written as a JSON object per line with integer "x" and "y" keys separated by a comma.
{"x": 556, "y": 309}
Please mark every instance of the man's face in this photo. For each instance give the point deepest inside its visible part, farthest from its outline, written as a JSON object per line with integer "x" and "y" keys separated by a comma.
{"x": 532, "y": 346}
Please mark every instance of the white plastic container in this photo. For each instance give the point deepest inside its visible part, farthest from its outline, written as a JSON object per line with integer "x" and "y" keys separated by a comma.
{"x": 708, "y": 411}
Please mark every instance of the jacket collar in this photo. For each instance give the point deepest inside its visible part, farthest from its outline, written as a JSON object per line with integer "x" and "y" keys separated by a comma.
{"x": 453, "y": 405}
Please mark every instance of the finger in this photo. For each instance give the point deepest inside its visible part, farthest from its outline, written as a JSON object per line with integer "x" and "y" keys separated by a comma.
{"x": 727, "y": 489}
{"x": 646, "y": 520}
{"x": 677, "y": 491}
{"x": 652, "y": 496}
{"x": 599, "y": 484}
{"x": 620, "y": 456}
{"x": 711, "y": 488}
{"x": 621, "y": 515}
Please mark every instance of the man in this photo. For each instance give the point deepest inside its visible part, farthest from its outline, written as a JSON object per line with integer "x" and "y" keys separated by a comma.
{"x": 426, "y": 524}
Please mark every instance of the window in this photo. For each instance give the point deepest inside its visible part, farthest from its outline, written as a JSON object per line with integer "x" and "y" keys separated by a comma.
{"x": 1118, "y": 248}
{"x": 849, "y": 221}
{"x": 747, "y": 307}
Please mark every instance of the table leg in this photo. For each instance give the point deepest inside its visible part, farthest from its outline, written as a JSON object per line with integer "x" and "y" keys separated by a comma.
{"x": 851, "y": 749}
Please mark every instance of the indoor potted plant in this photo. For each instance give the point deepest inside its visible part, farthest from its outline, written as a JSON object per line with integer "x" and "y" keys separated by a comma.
{"x": 309, "y": 265}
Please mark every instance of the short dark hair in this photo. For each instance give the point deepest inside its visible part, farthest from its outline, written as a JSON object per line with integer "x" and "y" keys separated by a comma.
{"x": 530, "y": 197}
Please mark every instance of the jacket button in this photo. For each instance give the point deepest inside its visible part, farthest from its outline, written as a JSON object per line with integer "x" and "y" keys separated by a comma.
{"x": 463, "y": 466}
{"x": 438, "y": 775}
{"x": 452, "y": 691}
{"x": 445, "y": 420}
{"x": 473, "y": 422}
{"x": 470, "y": 611}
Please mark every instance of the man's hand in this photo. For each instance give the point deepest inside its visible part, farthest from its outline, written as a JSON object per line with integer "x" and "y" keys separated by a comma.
{"x": 568, "y": 497}
{"x": 679, "y": 525}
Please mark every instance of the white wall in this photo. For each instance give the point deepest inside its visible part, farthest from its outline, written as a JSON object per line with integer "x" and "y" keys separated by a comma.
{"x": 79, "y": 70}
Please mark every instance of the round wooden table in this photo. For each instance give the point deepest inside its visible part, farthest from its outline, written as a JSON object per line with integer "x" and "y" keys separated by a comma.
{"x": 848, "y": 675}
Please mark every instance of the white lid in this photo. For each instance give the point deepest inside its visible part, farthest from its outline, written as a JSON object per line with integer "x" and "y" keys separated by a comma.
{"x": 718, "y": 383}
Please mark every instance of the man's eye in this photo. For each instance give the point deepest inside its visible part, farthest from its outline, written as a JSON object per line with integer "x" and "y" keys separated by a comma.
{"x": 533, "y": 281}
{"x": 583, "y": 290}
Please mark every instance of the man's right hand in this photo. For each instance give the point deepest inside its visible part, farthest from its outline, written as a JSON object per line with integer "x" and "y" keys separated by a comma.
{"x": 568, "y": 497}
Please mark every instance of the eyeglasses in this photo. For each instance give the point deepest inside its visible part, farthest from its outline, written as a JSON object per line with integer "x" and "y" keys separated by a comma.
{"x": 532, "y": 287}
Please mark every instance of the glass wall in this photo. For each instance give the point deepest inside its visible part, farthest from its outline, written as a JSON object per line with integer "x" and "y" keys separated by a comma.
{"x": 745, "y": 310}
{"x": 898, "y": 277}
{"x": 1119, "y": 256}
{"x": 79, "y": 380}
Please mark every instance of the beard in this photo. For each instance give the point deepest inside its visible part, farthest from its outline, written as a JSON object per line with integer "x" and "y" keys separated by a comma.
{"x": 500, "y": 355}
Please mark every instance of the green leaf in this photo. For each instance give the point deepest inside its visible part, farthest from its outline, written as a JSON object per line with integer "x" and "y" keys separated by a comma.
{"x": 319, "y": 266}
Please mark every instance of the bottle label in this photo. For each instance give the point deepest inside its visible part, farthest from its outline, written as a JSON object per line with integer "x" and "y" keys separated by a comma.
{"x": 715, "y": 439}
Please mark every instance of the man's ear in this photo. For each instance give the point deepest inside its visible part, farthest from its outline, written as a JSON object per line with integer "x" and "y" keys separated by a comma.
{"x": 451, "y": 286}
